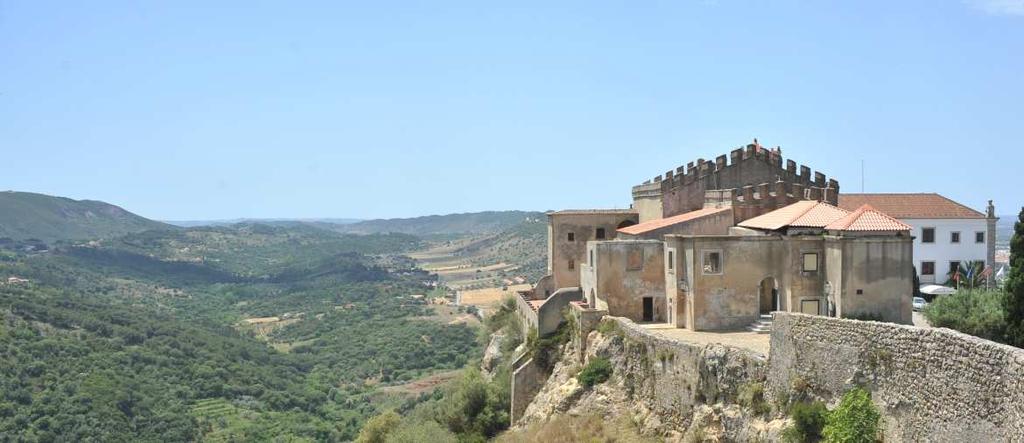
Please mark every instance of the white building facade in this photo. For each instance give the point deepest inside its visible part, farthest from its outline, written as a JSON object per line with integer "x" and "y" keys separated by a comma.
{"x": 946, "y": 233}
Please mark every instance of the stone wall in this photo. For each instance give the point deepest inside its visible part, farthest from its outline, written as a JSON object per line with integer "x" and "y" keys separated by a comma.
{"x": 753, "y": 172}
{"x": 527, "y": 379}
{"x": 675, "y": 390}
{"x": 929, "y": 384}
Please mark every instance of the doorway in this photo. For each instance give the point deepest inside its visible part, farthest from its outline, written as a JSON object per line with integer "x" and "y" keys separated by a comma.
{"x": 769, "y": 296}
{"x": 648, "y": 309}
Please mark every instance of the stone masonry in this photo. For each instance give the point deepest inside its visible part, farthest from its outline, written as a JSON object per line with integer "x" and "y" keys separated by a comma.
{"x": 929, "y": 384}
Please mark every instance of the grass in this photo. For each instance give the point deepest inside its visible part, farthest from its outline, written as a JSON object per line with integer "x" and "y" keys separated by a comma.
{"x": 587, "y": 428}
{"x": 596, "y": 371}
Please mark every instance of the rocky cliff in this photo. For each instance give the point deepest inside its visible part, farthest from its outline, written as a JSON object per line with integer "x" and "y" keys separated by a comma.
{"x": 669, "y": 389}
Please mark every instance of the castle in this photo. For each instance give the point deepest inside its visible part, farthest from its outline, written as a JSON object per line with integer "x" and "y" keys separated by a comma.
{"x": 717, "y": 245}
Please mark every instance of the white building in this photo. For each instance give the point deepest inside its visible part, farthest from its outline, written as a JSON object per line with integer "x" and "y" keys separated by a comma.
{"x": 946, "y": 233}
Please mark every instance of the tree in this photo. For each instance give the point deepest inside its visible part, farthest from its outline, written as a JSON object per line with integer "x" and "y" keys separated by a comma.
{"x": 376, "y": 429}
{"x": 1015, "y": 286}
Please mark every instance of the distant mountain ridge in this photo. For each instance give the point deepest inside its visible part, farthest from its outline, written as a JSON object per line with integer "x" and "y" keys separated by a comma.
{"x": 265, "y": 221}
{"x": 27, "y": 215}
{"x": 487, "y": 222}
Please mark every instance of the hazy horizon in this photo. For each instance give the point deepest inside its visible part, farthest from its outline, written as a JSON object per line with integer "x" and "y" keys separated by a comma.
{"x": 191, "y": 111}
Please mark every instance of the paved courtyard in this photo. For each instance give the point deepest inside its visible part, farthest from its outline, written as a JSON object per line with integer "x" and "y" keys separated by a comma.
{"x": 739, "y": 339}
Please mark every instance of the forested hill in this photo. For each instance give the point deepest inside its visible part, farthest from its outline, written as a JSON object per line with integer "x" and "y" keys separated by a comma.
{"x": 234, "y": 333}
{"x": 26, "y": 215}
{"x": 489, "y": 222}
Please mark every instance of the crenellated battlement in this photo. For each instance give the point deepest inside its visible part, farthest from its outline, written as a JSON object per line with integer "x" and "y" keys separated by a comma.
{"x": 747, "y": 170}
{"x": 701, "y": 168}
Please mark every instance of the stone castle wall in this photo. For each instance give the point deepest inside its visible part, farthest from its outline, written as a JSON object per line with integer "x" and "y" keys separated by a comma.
{"x": 929, "y": 384}
{"x": 753, "y": 173}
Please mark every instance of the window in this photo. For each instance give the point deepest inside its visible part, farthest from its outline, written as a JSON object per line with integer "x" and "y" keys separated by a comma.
{"x": 712, "y": 262}
{"x": 954, "y": 266}
{"x": 927, "y": 268}
{"x": 927, "y": 235}
{"x": 572, "y": 236}
{"x": 811, "y": 262}
{"x": 600, "y": 234}
{"x": 671, "y": 259}
{"x": 954, "y": 237}
{"x": 572, "y": 264}
{"x": 979, "y": 237}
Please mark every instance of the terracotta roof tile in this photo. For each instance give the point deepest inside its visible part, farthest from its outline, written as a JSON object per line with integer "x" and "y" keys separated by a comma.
{"x": 867, "y": 218}
{"x": 804, "y": 213}
{"x": 651, "y": 225}
{"x": 915, "y": 206}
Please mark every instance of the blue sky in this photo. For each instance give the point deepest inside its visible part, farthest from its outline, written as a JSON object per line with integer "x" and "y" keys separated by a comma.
{"x": 179, "y": 110}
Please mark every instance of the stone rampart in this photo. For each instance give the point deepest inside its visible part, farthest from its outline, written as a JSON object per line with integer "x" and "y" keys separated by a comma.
{"x": 929, "y": 384}
{"x": 760, "y": 179}
{"x": 671, "y": 378}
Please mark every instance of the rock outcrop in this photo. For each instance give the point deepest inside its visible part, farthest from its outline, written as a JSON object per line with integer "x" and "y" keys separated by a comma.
{"x": 670, "y": 389}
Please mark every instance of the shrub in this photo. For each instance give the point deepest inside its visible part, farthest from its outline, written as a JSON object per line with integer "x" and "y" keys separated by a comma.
{"x": 855, "y": 420}
{"x": 864, "y": 316}
{"x": 978, "y": 312}
{"x": 597, "y": 370}
{"x": 751, "y": 395}
{"x": 808, "y": 421}
{"x": 608, "y": 327}
{"x": 376, "y": 429}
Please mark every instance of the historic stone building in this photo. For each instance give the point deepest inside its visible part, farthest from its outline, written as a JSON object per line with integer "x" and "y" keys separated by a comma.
{"x": 717, "y": 244}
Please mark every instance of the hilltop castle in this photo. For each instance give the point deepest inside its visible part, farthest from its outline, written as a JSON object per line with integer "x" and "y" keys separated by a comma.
{"x": 717, "y": 245}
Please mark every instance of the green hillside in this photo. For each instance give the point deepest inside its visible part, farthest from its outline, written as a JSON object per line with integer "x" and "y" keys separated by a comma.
{"x": 26, "y": 215}
{"x": 452, "y": 224}
{"x": 232, "y": 333}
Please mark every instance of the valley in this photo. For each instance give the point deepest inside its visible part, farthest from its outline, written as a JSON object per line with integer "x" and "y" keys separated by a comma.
{"x": 237, "y": 332}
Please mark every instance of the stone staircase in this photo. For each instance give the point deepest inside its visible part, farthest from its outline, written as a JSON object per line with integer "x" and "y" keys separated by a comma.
{"x": 763, "y": 325}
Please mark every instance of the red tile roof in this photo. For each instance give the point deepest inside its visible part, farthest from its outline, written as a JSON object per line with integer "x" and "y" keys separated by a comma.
{"x": 805, "y": 213}
{"x": 651, "y": 225}
{"x": 866, "y": 218}
{"x": 913, "y": 206}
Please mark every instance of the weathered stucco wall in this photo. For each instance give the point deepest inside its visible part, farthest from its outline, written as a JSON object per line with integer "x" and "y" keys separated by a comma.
{"x": 930, "y": 384}
{"x": 527, "y": 379}
{"x": 625, "y": 272}
{"x": 647, "y": 201}
{"x": 877, "y": 277}
{"x": 584, "y": 226}
{"x": 549, "y": 315}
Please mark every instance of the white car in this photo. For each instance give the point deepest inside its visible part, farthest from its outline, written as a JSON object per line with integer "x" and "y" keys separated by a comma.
{"x": 919, "y": 303}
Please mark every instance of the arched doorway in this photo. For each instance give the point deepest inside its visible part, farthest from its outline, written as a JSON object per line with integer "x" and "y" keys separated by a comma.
{"x": 768, "y": 296}
{"x": 625, "y": 224}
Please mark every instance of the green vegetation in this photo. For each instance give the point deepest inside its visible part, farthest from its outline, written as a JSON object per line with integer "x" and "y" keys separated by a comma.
{"x": 808, "y": 422}
{"x": 751, "y": 395}
{"x": 145, "y": 338}
{"x": 996, "y": 314}
{"x": 598, "y": 370}
{"x": 1014, "y": 304}
{"x": 470, "y": 409}
{"x": 440, "y": 225}
{"x": 25, "y": 215}
{"x": 979, "y": 312}
{"x": 585, "y": 428}
{"x": 855, "y": 420}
